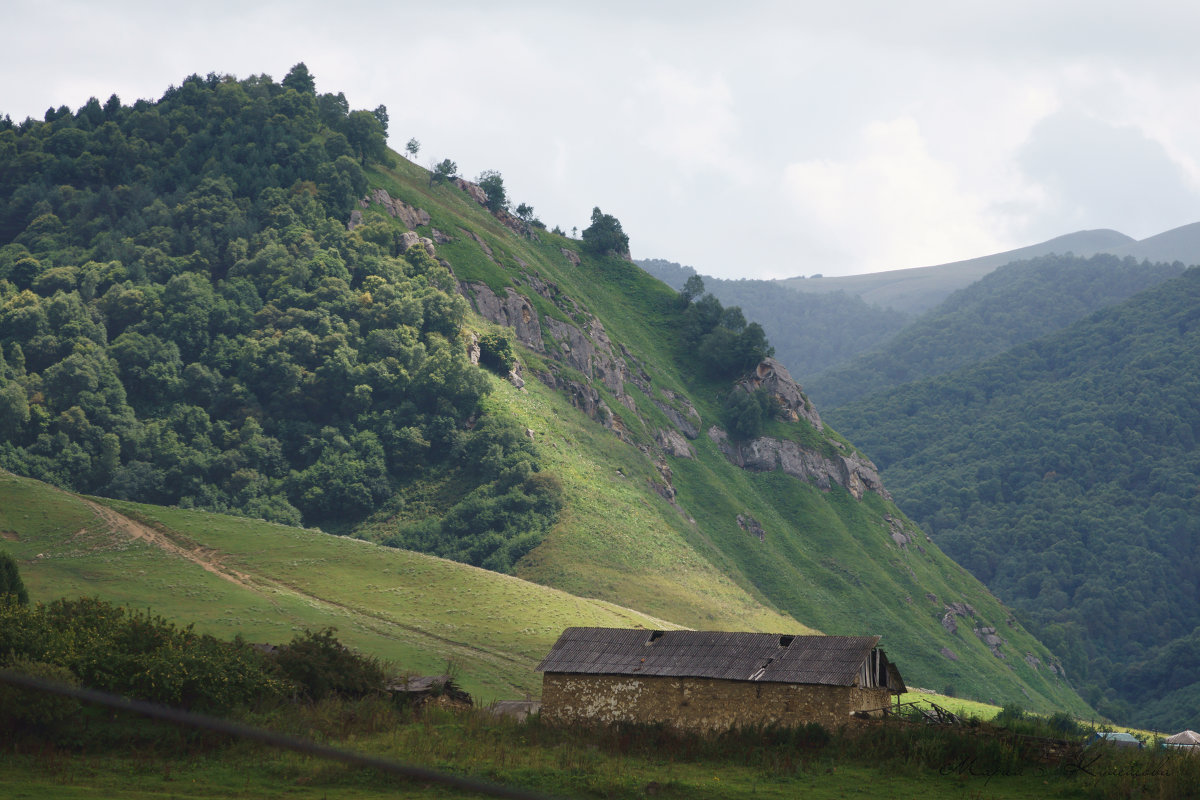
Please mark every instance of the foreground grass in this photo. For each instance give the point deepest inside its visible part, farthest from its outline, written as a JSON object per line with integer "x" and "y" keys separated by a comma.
{"x": 893, "y": 760}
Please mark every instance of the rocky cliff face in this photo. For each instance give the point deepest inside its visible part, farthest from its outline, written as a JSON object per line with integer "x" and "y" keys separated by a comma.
{"x": 764, "y": 454}
{"x": 773, "y": 377}
{"x": 587, "y": 350}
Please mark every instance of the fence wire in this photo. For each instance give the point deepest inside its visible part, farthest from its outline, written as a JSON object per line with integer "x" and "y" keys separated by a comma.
{"x": 280, "y": 741}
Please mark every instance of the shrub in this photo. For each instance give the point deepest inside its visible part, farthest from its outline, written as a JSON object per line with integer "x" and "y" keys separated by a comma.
{"x": 10, "y": 579}
{"x": 320, "y": 666}
{"x": 23, "y": 709}
{"x": 496, "y": 352}
{"x": 605, "y": 235}
{"x": 745, "y": 413}
{"x": 137, "y": 654}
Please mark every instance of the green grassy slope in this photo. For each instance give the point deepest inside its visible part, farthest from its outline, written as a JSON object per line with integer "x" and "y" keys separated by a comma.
{"x": 828, "y": 560}
{"x": 267, "y": 582}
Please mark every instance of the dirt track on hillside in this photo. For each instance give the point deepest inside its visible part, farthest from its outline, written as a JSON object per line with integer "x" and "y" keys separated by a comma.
{"x": 203, "y": 557}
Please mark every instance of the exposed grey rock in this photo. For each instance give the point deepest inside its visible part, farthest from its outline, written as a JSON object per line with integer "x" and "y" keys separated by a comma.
{"x": 674, "y": 444}
{"x": 356, "y": 217}
{"x": 950, "y": 654}
{"x": 571, "y": 255}
{"x": 514, "y": 375}
{"x": 411, "y": 216}
{"x": 439, "y": 237}
{"x": 961, "y": 609}
{"x": 473, "y": 349}
{"x": 988, "y": 636}
{"x": 899, "y": 535}
{"x": 773, "y": 377}
{"x": 949, "y": 623}
{"x": 592, "y": 355}
{"x": 764, "y": 454}
{"x": 684, "y": 424}
{"x": 580, "y": 395}
{"x": 1033, "y": 661}
{"x": 409, "y": 239}
{"x": 513, "y": 310}
{"x": 750, "y": 525}
{"x": 474, "y": 189}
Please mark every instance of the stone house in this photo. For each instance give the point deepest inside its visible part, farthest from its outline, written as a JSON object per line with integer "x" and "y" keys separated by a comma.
{"x": 712, "y": 680}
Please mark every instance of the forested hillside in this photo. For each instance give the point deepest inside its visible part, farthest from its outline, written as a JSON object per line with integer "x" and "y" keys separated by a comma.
{"x": 1064, "y": 474}
{"x": 1015, "y": 303}
{"x": 236, "y": 298}
{"x": 185, "y": 318}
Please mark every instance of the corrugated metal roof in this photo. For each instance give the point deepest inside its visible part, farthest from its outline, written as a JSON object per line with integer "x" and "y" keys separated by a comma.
{"x": 827, "y": 660}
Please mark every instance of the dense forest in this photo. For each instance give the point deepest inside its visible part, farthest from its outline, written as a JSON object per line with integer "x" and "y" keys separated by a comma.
{"x": 1063, "y": 473}
{"x": 1015, "y": 303}
{"x": 810, "y": 331}
{"x": 186, "y": 319}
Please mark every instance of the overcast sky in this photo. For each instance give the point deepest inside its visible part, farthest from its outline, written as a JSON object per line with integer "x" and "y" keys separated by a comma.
{"x": 751, "y": 139}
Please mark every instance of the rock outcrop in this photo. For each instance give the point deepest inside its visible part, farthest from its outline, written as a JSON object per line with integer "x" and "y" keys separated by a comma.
{"x": 673, "y": 444}
{"x": 411, "y": 216}
{"x": 773, "y": 377}
{"x": 854, "y": 473}
{"x": 751, "y": 526}
{"x": 474, "y": 189}
{"x": 512, "y": 310}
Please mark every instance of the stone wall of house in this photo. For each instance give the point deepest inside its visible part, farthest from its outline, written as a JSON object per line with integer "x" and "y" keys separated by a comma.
{"x": 699, "y": 704}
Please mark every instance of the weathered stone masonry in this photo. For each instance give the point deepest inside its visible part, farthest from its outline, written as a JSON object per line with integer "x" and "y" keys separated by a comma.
{"x": 700, "y": 704}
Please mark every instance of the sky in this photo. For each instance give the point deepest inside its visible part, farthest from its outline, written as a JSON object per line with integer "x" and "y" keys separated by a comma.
{"x": 749, "y": 140}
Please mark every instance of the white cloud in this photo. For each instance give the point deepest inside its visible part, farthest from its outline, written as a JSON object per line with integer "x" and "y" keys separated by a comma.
{"x": 690, "y": 120}
{"x": 891, "y": 204}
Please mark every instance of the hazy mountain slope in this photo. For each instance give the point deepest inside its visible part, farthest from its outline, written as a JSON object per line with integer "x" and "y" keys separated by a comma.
{"x": 267, "y": 582}
{"x": 1178, "y": 244}
{"x": 1013, "y": 304}
{"x": 279, "y": 320}
{"x": 1063, "y": 473}
{"x": 810, "y": 331}
{"x": 918, "y": 289}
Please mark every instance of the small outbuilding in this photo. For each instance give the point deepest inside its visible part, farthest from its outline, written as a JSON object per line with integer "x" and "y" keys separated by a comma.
{"x": 713, "y": 680}
{"x": 1185, "y": 739}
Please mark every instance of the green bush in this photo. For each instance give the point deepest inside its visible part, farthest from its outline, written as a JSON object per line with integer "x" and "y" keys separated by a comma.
{"x": 137, "y": 654}
{"x": 10, "y": 580}
{"x": 321, "y": 666}
{"x": 24, "y": 709}
{"x": 496, "y": 352}
{"x": 744, "y": 413}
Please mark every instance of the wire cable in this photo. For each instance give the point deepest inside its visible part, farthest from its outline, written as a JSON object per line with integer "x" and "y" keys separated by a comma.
{"x": 278, "y": 740}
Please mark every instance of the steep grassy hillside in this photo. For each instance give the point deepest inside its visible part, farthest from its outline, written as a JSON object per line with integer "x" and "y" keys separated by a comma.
{"x": 1013, "y": 304}
{"x": 267, "y": 582}
{"x": 277, "y": 321}
{"x": 1064, "y": 474}
{"x": 656, "y": 526}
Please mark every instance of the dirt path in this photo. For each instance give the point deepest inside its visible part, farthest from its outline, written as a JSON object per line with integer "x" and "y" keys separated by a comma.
{"x": 204, "y": 557}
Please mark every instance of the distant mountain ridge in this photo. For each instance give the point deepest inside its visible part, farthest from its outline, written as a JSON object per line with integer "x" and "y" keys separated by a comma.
{"x": 920, "y": 288}
{"x": 1015, "y": 303}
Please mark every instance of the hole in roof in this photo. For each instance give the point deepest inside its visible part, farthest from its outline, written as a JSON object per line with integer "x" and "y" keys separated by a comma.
{"x": 784, "y": 641}
{"x": 654, "y": 637}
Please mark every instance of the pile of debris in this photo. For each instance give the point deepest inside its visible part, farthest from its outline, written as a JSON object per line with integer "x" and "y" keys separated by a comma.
{"x": 441, "y": 690}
